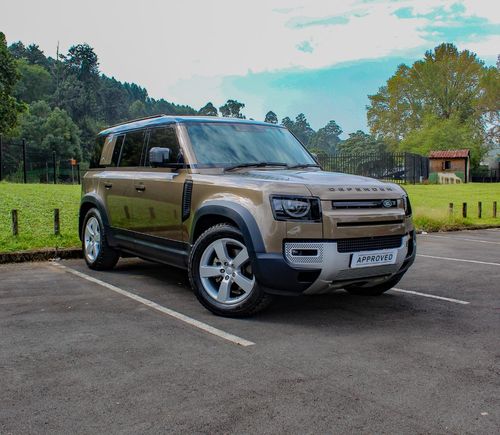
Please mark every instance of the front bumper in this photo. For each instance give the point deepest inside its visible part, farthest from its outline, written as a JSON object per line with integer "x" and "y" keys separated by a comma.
{"x": 328, "y": 270}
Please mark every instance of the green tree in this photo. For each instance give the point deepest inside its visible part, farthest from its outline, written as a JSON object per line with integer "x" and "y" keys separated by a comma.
{"x": 35, "y": 56}
{"x": 35, "y": 82}
{"x": 61, "y": 135}
{"x": 271, "y": 117}
{"x": 208, "y": 110}
{"x": 18, "y": 50}
{"x": 137, "y": 109}
{"x": 9, "y": 106}
{"x": 32, "y": 123}
{"x": 362, "y": 143}
{"x": 83, "y": 61}
{"x": 287, "y": 123}
{"x": 443, "y": 134}
{"x": 300, "y": 127}
{"x": 326, "y": 138}
{"x": 232, "y": 109}
{"x": 114, "y": 100}
{"x": 446, "y": 84}
{"x": 48, "y": 130}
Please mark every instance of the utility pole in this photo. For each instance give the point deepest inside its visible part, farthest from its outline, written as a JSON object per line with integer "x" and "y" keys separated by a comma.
{"x": 54, "y": 166}
{"x": 1, "y": 160}
{"x": 25, "y": 176}
{"x": 57, "y": 75}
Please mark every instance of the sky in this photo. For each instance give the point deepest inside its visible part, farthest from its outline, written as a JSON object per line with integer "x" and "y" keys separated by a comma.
{"x": 319, "y": 57}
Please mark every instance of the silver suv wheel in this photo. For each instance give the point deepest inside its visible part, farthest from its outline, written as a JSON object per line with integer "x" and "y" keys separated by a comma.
{"x": 225, "y": 271}
{"x": 96, "y": 250}
{"x": 92, "y": 239}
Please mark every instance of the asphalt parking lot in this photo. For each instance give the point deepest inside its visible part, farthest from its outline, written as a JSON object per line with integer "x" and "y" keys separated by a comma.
{"x": 132, "y": 351}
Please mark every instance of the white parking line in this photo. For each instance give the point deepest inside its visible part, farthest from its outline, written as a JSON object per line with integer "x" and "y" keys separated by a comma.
{"x": 459, "y": 259}
{"x": 426, "y": 295}
{"x": 464, "y": 238}
{"x": 183, "y": 318}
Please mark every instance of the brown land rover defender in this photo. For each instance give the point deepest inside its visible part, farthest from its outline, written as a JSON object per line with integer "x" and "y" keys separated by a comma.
{"x": 245, "y": 208}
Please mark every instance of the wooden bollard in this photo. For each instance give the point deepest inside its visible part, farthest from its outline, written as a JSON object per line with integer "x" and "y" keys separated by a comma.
{"x": 464, "y": 209}
{"x": 15, "y": 226}
{"x": 479, "y": 209}
{"x": 494, "y": 209}
{"x": 57, "y": 224}
{"x": 450, "y": 209}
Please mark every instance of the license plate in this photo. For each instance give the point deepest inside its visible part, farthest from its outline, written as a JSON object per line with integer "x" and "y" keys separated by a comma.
{"x": 374, "y": 258}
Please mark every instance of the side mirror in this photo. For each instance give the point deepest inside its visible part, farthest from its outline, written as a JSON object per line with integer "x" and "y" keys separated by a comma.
{"x": 159, "y": 157}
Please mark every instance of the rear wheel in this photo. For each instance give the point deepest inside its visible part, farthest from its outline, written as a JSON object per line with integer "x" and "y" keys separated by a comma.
{"x": 221, "y": 275}
{"x": 96, "y": 251}
{"x": 375, "y": 290}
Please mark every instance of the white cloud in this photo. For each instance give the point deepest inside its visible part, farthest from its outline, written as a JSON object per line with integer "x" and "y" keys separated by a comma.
{"x": 165, "y": 45}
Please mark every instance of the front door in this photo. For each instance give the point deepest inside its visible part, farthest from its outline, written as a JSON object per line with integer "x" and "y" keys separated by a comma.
{"x": 157, "y": 197}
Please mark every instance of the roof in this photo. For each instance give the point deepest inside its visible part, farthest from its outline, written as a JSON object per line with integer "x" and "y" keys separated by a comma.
{"x": 155, "y": 121}
{"x": 449, "y": 154}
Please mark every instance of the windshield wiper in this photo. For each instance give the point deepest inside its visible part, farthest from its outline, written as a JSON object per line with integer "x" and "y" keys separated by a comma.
{"x": 254, "y": 165}
{"x": 304, "y": 165}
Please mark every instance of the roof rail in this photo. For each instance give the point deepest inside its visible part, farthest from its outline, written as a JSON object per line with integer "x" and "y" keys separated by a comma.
{"x": 137, "y": 119}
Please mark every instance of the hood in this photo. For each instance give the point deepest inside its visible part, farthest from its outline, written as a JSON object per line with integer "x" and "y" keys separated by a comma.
{"x": 328, "y": 185}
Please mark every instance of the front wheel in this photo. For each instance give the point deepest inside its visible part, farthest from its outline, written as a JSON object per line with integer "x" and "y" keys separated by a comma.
{"x": 375, "y": 290}
{"x": 221, "y": 275}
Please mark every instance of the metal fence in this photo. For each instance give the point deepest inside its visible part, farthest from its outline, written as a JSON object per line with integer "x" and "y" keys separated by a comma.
{"x": 20, "y": 163}
{"x": 396, "y": 167}
{"x": 485, "y": 176}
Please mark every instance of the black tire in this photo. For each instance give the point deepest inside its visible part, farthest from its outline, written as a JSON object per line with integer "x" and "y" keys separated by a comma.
{"x": 375, "y": 290}
{"x": 107, "y": 257}
{"x": 255, "y": 301}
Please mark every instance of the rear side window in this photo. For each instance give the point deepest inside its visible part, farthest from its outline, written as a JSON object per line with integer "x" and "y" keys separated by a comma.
{"x": 165, "y": 137}
{"x": 117, "y": 150}
{"x": 132, "y": 149}
{"x": 95, "y": 157}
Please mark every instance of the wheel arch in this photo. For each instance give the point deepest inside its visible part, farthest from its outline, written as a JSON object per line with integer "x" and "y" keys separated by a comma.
{"x": 90, "y": 201}
{"x": 216, "y": 212}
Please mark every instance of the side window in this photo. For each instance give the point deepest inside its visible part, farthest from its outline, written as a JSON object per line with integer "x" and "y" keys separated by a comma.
{"x": 132, "y": 149}
{"x": 165, "y": 137}
{"x": 95, "y": 157}
{"x": 117, "y": 150}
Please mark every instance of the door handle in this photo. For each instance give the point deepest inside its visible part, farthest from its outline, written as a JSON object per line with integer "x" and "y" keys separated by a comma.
{"x": 108, "y": 185}
{"x": 140, "y": 187}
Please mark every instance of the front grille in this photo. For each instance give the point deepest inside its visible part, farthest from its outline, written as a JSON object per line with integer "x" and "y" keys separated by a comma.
{"x": 369, "y": 243}
{"x": 364, "y": 203}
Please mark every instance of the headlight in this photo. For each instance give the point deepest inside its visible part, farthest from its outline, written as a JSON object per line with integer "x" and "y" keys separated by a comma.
{"x": 296, "y": 208}
{"x": 407, "y": 204}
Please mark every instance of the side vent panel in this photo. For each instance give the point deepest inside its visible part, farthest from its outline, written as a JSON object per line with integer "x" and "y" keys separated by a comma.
{"x": 186, "y": 199}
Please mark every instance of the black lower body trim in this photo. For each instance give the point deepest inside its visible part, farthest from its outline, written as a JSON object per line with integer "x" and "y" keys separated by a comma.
{"x": 276, "y": 276}
{"x": 171, "y": 252}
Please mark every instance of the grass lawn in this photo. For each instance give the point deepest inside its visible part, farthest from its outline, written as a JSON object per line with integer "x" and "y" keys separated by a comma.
{"x": 36, "y": 202}
{"x": 430, "y": 205}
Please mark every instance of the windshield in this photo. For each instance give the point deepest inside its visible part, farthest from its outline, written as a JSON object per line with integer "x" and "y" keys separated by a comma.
{"x": 221, "y": 144}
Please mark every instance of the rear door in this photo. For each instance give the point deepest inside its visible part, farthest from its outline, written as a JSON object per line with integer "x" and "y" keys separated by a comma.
{"x": 117, "y": 181}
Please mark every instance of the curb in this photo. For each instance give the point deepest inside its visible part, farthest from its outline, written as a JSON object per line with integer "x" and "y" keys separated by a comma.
{"x": 40, "y": 255}
{"x": 467, "y": 228}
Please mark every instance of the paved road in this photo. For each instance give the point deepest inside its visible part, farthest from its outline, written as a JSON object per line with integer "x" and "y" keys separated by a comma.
{"x": 77, "y": 356}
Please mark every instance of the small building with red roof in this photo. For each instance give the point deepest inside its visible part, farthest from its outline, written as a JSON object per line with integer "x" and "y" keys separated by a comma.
{"x": 450, "y": 162}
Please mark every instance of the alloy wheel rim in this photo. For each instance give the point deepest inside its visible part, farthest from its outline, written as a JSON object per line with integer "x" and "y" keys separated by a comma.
{"x": 92, "y": 239}
{"x": 225, "y": 271}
